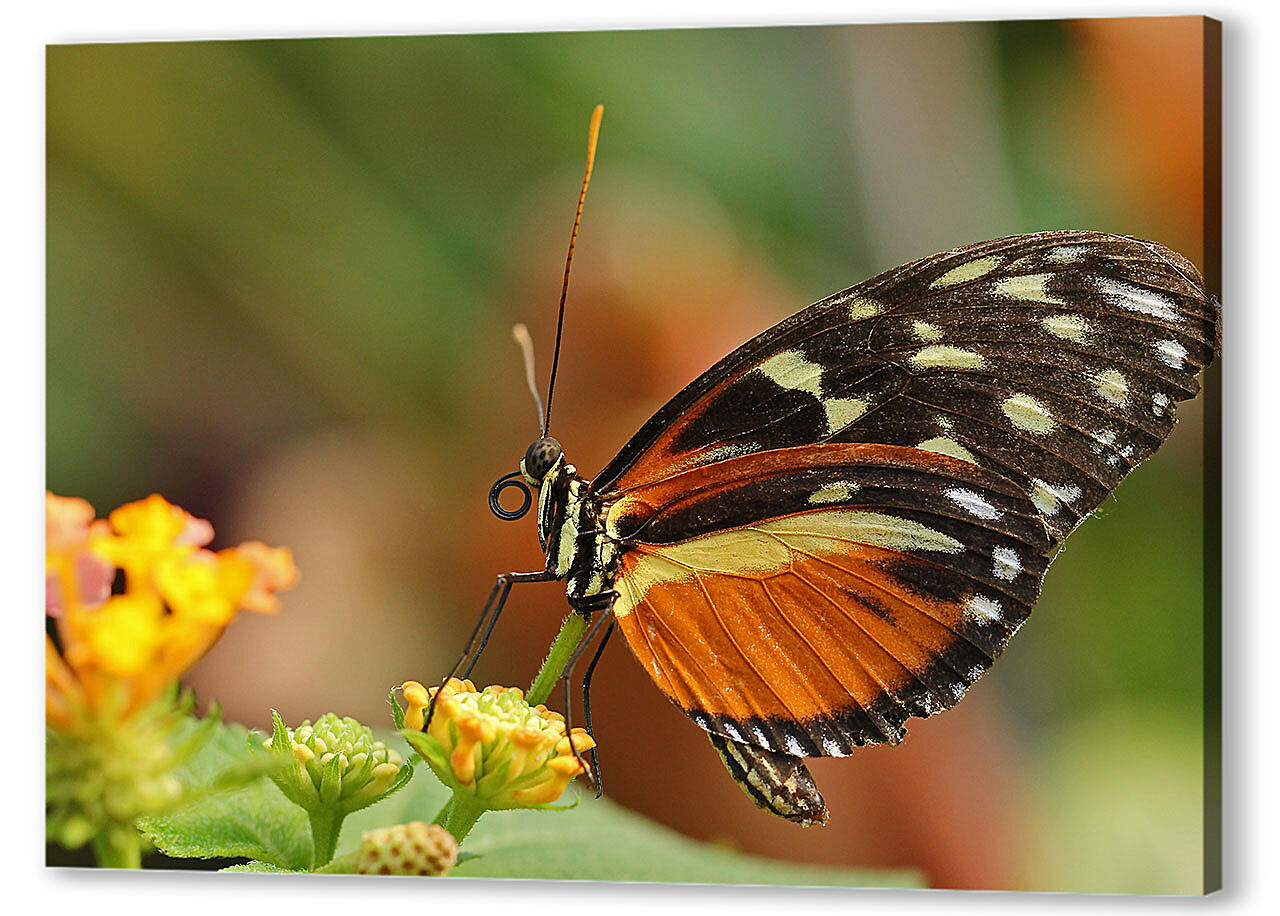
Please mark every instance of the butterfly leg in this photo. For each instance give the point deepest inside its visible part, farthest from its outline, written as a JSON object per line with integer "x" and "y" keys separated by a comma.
{"x": 492, "y": 608}
{"x": 602, "y": 602}
{"x": 586, "y": 704}
{"x": 778, "y": 783}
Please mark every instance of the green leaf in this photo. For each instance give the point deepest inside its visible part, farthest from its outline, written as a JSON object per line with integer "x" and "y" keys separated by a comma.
{"x": 396, "y": 712}
{"x": 600, "y": 841}
{"x": 255, "y": 821}
{"x": 259, "y": 866}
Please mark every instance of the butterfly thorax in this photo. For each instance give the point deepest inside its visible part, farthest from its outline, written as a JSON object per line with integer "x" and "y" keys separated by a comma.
{"x": 572, "y": 534}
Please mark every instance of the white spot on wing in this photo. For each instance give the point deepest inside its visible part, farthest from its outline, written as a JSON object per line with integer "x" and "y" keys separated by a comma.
{"x": 1067, "y": 254}
{"x": 1159, "y": 403}
{"x": 732, "y": 732}
{"x": 1139, "y": 300}
{"x": 761, "y": 737}
{"x": 1171, "y": 353}
{"x": 1007, "y": 564}
{"x": 793, "y": 746}
{"x": 831, "y": 746}
{"x": 984, "y": 608}
{"x": 972, "y": 503}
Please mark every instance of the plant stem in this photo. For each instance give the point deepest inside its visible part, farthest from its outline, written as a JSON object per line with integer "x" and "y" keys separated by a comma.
{"x": 460, "y": 815}
{"x": 325, "y": 826}
{"x": 571, "y": 631}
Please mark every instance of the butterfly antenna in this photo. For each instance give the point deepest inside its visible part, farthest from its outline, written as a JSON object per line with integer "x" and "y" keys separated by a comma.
{"x": 592, "y": 136}
{"x": 521, "y": 335}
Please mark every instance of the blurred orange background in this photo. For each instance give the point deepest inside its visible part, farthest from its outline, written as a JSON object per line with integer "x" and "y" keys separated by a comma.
{"x": 281, "y": 281}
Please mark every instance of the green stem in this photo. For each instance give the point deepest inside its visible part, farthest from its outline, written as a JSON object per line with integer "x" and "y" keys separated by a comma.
{"x": 571, "y": 631}
{"x": 118, "y": 849}
{"x": 326, "y": 824}
{"x": 443, "y": 812}
{"x": 460, "y": 815}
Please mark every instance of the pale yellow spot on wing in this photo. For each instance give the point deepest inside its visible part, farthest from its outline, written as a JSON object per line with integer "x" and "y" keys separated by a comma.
{"x": 791, "y": 370}
{"x": 944, "y": 446}
{"x": 1048, "y": 499}
{"x": 945, "y": 357}
{"x": 767, "y": 548}
{"x": 1068, "y": 327}
{"x": 864, "y": 308}
{"x": 1028, "y": 288}
{"x": 963, "y": 273}
{"x": 842, "y": 411}
{"x": 834, "y": 493}
{"x": 1025, "y": 412}
{"x": 926, "y": 332}
{"x": 1112, "y": 386}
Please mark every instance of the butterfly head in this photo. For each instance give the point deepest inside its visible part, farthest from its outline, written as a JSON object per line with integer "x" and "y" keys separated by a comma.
{"x": 539, "y": 458}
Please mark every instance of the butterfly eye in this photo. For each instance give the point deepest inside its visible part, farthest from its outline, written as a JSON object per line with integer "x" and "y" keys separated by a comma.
{"x": 540, "y": 458}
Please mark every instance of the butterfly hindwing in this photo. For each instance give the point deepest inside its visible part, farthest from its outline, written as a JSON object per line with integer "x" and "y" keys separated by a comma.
{"x": 1055, "y": 359}
{"x": 809, "y": 600}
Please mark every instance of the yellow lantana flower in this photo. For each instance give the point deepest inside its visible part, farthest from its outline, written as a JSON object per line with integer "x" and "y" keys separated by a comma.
{"x": 491, "y": 746}
{"x": 114, "y": 654}
{"x": 111, "y": 669}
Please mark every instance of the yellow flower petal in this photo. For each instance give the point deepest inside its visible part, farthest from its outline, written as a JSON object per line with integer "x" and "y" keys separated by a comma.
{"x": 123, "y": 635}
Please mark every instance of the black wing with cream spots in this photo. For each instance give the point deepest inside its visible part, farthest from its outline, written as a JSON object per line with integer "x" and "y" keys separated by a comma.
{"x": 1055, "y": 359}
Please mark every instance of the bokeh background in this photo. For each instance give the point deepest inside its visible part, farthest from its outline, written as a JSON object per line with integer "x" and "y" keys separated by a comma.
{"x": 281, "y": 280}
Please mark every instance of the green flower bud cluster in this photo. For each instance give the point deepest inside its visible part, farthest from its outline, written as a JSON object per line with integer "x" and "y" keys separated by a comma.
{"x": 337, "y": 767}
{"x": 415, "y": 848}
{"x": 339, "y": 763}
{"x": 103, "y": 774}
{"x": 100, "y": 780}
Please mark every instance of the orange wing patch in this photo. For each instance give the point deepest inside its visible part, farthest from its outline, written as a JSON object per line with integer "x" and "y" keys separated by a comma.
{"x": 811, "y": 634}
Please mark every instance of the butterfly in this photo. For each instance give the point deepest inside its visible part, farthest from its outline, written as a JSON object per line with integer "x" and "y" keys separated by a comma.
{"x": 840, "y": 525}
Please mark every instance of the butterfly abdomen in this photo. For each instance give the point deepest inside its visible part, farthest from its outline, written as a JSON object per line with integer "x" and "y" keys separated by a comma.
{"x": 778, "y": 783}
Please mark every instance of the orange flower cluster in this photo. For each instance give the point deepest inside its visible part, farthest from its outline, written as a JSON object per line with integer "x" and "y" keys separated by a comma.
{"x": 116, "y": 653}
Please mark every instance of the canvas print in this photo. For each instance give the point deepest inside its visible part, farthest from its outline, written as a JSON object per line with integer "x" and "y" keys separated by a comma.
{"x": 730, "y": 456}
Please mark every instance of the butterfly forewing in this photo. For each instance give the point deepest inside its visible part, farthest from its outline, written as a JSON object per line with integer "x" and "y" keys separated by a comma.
{"x": 1054, "y": 359}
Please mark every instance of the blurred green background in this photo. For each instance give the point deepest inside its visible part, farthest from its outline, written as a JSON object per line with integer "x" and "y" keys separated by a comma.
{"x": 281, "y": 280}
